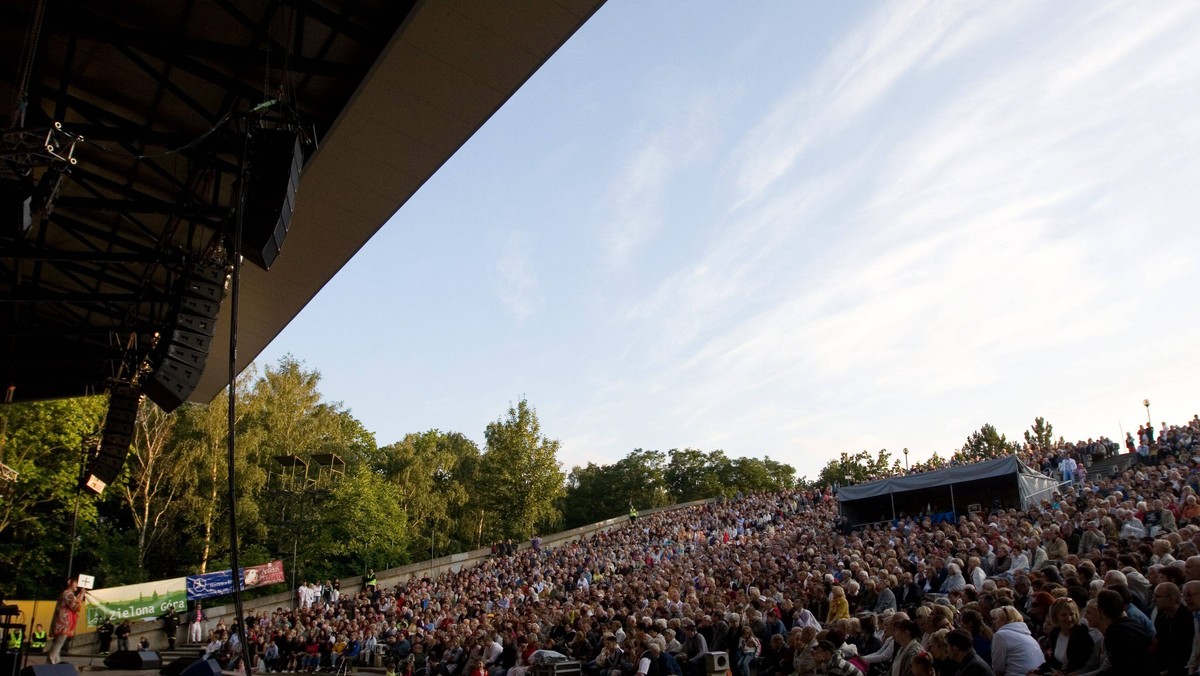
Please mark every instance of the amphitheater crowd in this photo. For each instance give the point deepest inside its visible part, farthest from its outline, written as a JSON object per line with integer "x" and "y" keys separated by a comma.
{"x": 1101, "y": 577}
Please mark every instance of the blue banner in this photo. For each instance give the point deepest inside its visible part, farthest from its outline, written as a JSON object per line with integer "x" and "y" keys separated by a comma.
{"x": 220, "y": 583}
{"x": 209, "y": 585}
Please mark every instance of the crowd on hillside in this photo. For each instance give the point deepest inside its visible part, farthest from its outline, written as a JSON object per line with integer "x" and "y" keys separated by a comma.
{"x": 1101, "y": 577}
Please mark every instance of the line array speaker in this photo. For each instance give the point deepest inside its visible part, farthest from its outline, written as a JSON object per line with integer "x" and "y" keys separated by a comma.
{"x": 183, "y": 352}
{"x": 273, "y": 162}
{"x": 16, "y": 216}
{"x": 123, "y": 403}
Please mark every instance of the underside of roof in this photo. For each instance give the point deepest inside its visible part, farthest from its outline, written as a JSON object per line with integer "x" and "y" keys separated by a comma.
{"x": 125, "y": 126}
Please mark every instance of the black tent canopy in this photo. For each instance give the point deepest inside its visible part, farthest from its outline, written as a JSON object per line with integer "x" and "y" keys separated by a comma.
{"x": 1003, "y": 482}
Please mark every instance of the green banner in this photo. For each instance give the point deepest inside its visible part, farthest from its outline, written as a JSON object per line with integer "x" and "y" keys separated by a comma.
{"x": 144, "y": 601}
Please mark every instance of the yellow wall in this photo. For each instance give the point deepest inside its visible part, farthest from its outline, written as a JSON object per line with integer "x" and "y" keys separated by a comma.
{"x": 44, "y": 616}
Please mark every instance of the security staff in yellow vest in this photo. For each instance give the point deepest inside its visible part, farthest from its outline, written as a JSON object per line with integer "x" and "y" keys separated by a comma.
{"x": 37, "y": 640}
{"x": 15, "y": 636}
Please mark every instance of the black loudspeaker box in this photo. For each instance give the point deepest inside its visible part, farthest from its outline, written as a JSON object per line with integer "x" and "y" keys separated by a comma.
{"x": 123, "y": 403}
{"x": 133, "y": 660}
{"x": 60, "y": 669}
{"x": 191, "y": 666}
{"x": 184, "y": 350}
{"x": 273, "y": 162}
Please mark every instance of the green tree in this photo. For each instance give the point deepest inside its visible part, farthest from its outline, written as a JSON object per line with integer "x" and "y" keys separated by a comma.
{"x": 291, "y": 419}
{"x": 1040, "y": 436}
{"x": 694, "y": 475}
{"x": 425, "y": 469}
{"x": 985, "y": 444}
{"x": 148, "y": 490}
{"x": 520, "y": 479}
{"x": 752, "y": 475}
{"x": 369, "y": 529}
{"x": 200, "y": 463}
{"x": 44, "y": 443}
{"x": 595, "y": 492}
{"x": 861, "y": 467}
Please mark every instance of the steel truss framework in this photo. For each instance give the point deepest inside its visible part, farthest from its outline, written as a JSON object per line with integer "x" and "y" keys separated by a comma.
{"x": 146, "y": 96}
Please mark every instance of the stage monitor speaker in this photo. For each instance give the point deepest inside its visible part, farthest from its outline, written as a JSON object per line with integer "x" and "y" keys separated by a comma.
{"x": 133, "y": 660}
{"x": 182, "y": 355}
{"x": 191, "y": 666}
{"x": 273, "y": 162}
{"x": 60, "y": 669}
{"x": 16, "y": 213}
{"x": 123, "y": 403}
{"x": 717, "y": 662}
{"x": 177, "y": 666}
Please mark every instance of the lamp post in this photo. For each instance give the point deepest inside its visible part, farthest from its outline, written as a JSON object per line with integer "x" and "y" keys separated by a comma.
{"x": 1146, "y": 403}
{"x": 906, "y": 460}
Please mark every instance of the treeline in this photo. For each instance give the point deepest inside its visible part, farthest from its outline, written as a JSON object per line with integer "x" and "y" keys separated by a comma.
{"x": 986, "y": 443}
{"x": 432, "y": 492}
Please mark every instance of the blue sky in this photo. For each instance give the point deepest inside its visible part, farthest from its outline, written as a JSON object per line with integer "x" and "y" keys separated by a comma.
{"x": 795, "y": 229}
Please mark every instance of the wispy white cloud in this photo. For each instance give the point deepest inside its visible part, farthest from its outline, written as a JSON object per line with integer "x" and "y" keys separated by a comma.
{"x": 637, "y": 197}
{"x": 994, "y": 233}
{"x": 516, "y": 285}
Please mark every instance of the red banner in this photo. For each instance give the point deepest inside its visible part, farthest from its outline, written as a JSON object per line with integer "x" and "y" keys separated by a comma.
{"x": 267, "y": 573}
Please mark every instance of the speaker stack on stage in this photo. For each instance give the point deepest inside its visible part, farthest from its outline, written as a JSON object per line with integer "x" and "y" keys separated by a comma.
{"x": 182, "y": 353}
{"x": 123, "y": 402}
{"x": 191, "y": 666}
{"x": 133, "y": 660}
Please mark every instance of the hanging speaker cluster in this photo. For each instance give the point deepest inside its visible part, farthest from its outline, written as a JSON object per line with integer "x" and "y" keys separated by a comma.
{"x": 273, "y": 162}
{"x": 16, "y": 215}
{"x": 123, "y": 402}
{"x": 182, "y": 353}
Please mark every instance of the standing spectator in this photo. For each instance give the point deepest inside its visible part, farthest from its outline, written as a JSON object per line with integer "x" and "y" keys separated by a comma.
{"x": 196, "y": 629}
{"x": 170, "y": 626}
{"x": 104, "y": 635}
{"x": 123, "y": 632}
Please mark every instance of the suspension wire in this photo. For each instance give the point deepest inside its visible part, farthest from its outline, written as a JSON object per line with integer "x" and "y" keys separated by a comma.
{"x": 25, "y": 70}
{"x": 236, "y": 248}
{"x": 187, "y": 146}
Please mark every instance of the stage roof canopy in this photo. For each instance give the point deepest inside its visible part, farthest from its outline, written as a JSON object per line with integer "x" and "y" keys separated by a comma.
{"x": 150, "y": 96}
